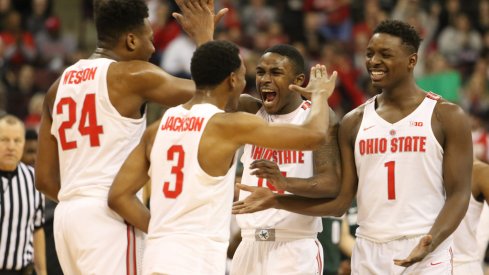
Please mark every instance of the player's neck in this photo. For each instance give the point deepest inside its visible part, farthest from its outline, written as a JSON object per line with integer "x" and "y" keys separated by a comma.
{"x": 203, "y": 96}
{"x": 402, "y": 97}
{"x": 105, "y": 53}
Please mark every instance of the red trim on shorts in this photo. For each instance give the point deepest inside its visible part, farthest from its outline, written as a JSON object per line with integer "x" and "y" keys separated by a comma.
{"x": 451, "y": 258}
{"x": 131, "y": 251}
{"x": 128, "y": 252}
{"x": 319, "y": 260}
{"x": 134, "y": 261}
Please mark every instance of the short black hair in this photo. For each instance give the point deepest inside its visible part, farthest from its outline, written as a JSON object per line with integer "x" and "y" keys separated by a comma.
{"x": 213, "y": 61}
{"x": 406, "y": 32}
{"x": 113, "y": 18}
{"x": 30, "y": 134}
{"x": 292, "y": 54}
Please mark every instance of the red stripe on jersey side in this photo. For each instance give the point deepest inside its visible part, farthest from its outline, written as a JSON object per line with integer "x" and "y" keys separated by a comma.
{"x": 451, "y": 258}
{"x": 319, "y": 259}
{"x": 128, "y": 268}
{"x": 134, "y": 261}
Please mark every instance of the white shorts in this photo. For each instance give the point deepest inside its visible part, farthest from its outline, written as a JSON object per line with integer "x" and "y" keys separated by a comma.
{"x": 472, "y": 268}
{"x": 91, "y": 239}
{"x": 179, "y": 254}
{"x": 378, "y": 258}
{"x": 300, "y": 256}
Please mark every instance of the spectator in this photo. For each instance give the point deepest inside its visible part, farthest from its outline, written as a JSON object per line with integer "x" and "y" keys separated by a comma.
{"x": 56, "y": 49}
{"x": 19, "y": 44}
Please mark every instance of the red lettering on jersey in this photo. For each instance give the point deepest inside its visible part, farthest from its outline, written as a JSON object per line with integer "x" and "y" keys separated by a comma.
{"x": 256, "y": 152}
{"x": 178, "y": 124}
{"x": 76, "y": 77}
{"x": 301, "y": 157}
{"x": 408, "y": 144}
{"x": 287, "y": 157}
{"x": 393, "y": 145}
{"x": 373, "y": 146}
{"x": 277, "y": 156}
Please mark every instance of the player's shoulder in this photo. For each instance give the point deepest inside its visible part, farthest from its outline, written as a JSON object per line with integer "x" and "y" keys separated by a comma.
{"x": 131, "y": 67}
{"x": 236, "y": 122}
{"x": 355, "y": 116}
{"x": 446, "y": 111}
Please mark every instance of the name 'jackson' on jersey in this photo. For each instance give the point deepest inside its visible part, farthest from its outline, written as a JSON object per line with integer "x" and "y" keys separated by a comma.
{"x": 399, "y": 166}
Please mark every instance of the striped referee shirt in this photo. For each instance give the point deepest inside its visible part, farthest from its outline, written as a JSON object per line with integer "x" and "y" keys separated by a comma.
{"x": 21, "y": 212}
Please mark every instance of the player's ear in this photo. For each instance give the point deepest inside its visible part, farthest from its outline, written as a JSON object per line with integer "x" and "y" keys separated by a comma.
{"x": 299, "y": 79}
{"x": 233, "y": 81}
{"x": 131, "y": 41}
{"x": 413, "y": 59}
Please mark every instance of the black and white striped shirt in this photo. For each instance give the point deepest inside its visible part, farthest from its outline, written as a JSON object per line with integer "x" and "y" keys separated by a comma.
{"x": 21, "y": 212}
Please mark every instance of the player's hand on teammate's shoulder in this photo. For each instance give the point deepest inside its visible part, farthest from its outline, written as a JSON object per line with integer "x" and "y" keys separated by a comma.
{"x": 198, "y": 19}
{"x": 269, "y": 170}
{"x": 261, "y": 198}
{"x": 319, "y": 82}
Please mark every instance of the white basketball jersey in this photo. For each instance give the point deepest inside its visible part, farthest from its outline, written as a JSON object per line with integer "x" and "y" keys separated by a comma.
{"x": 93, "y": 138}
{"x": 298, "y": 164}
{"x": 465, "y": 237}
{"x": 399, "y": 167}
{"x": 184, "y": 198}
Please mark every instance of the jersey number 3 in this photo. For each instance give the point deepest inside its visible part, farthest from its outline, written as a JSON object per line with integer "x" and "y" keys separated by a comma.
{"x": 175, "y": 152}
{"x": 88, "y": 114}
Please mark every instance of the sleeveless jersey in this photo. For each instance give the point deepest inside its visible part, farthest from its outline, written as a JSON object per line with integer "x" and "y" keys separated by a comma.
{"x": 298, "y": 164}
{"x": 184, "y": 198}
{"x": 93, "y": 138}
{"x": 465, "y": 237}
{"x": 399, "y": 168}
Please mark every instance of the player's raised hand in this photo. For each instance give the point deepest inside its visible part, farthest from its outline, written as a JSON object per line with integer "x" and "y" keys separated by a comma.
{"x": 270, "y": 171}
{"x": 319, "y": 82}
{"x": 198, "y": 19}
{"x": 260, "y": 199}
{"x": 418, "y": 253}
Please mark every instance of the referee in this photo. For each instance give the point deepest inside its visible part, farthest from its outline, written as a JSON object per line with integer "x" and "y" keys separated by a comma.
{"x": 22, "y": 248}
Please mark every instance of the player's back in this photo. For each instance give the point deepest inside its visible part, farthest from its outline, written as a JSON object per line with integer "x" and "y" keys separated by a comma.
{"x": 187, "y": 200}
{"x": 190, "y": 209}
{"x": 93, "y": 138}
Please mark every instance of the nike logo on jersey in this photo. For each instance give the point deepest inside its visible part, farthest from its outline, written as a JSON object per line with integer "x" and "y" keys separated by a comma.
{"x": 369, "y": 127}
{"x": 437, "y": 263}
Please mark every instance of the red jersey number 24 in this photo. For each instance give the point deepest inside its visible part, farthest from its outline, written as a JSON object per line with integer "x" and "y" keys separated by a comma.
{"x": 88, "y": 125}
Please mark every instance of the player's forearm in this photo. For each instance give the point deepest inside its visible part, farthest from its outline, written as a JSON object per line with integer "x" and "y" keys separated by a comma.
{"x": 319, "y": 186}
{"x": 318, "y": 119}
{"x": 449, "y": 218}
{"x": 309, "y": 206}
{"x": 132, "y": 210}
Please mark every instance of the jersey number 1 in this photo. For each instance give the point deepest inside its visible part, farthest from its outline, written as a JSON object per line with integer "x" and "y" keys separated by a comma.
{"x": 88, "y": 112}
{"x": 391, "y": 180}
{"x": 176, "y": 151}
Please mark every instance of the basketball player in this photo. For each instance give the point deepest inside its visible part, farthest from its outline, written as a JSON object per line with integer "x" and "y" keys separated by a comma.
{"x": 93, "y": 116}
{"x": 466, "y": 256}
{"x": 407, "y": 156}
{"x": 271, "y": 235}
{"x": 191, "y": 160}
